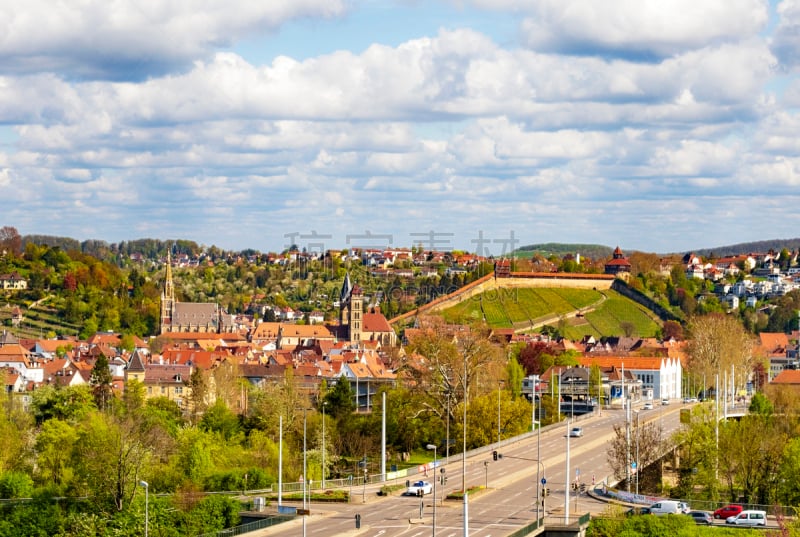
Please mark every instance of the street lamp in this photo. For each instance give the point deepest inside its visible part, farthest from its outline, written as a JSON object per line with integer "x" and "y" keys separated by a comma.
{"x": 433, "y": 447}
{"x": 323, "y": 444}
{"x": 305, "y": 472}
{"x": 146, "y": 506}
{"x": 539, "y": 460}
{"x": 638, "y": 465}
{"x": 499, "y": 388}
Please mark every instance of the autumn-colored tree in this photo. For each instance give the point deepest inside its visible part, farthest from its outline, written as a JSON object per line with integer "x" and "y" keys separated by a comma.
{"x": 10, "y": 241}
{"x": 672, "y": 330}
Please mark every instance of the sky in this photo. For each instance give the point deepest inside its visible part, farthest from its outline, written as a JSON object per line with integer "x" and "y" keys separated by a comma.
{"x": 477, "y": 125}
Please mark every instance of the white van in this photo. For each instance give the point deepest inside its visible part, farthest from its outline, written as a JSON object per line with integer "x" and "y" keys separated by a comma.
{"x": 749, "y": 517}
{"x": 665, "y": 507}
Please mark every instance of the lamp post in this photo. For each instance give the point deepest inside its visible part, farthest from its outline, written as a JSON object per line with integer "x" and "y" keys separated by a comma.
{"x": 433, "y": 447}
{"x": 638, "y": 466}
{"x": 464, "y": 455}
{"x": 539, "y": 460}
{"x": 447, "y": 434}
{"x": 305, "y": 472}
{"x": 323, "y": 444}
{"x": 499, "y": 387}
{"x": 146, "y": 506}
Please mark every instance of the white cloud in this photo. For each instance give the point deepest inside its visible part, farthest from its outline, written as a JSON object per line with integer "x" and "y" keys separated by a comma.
{"x": 786, "y": 38}
{"x": 128, "y": 39}
{"x": 639, "y": 28}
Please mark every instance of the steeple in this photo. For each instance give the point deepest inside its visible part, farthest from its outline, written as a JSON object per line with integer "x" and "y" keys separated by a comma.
{"x": 167, "y": 297}
{"x": 347, "y": 288}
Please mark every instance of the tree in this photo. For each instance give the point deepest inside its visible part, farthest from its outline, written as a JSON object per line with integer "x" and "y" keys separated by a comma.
{"x": 10, "y": 241}
{"x": 198, "y": 394}
{"x": 515, "y": 375}
{"x": 672, "y": 330}
{"x": 54, "y": 443}
{"x": 340, "y": 400}
{"x": 72, "y": 403}
{"x": 109, "y": 456}
{"x": 640, "y": 443}
{"x": 101, "y": 381}
{"x": 717, "y": 342}
{"x": 459, "y": 363}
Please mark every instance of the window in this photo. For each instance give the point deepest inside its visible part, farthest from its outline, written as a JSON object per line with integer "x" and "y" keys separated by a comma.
{"x": 178, "y": 390}
{"x": 163, "y": 390}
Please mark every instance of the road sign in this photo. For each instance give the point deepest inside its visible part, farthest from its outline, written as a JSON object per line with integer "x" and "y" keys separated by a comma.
{"x": 544, "y": 481}
{"x": 577, "y": 472}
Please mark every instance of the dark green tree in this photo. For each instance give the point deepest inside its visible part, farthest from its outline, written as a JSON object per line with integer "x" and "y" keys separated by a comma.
{"x": 340, "y": 399}
{"x": 101, "y": 382}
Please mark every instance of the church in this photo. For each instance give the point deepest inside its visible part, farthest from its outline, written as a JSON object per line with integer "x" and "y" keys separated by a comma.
{"x": 190, "y": 316}
{"x": 356, "y": 326}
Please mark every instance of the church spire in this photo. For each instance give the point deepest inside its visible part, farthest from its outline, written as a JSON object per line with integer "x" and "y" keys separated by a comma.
{"x": 167, "y": 297}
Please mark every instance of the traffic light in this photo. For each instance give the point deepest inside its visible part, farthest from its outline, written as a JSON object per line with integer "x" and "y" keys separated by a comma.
{"x": 545, "y": 491}
{"x": 494, "y": 455}
{"x": 583, "y": 487}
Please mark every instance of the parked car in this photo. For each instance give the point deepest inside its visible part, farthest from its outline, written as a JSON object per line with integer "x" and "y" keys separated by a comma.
{"x": 701, "y": 517}
{"x": 647, "y": 406}
{"x": 637, "y": 511}
{"x": 749, "y": 517}
{"x": 665, "y": 401}
{"x": 684, "y": 508}
{"x": 576, "y": 432}
{"x": 419, "y": 488}
{"x": 666, "y": 507}
{"x": 728, "y": 511}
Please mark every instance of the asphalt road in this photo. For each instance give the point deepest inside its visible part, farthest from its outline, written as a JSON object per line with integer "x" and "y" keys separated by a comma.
{"x": 507, "y": 504}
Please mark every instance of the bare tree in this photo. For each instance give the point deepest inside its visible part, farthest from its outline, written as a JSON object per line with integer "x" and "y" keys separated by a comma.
{"x": 643, "y": 445}
{"x": 717, "y": 342}
{"x": 10, "y": 241}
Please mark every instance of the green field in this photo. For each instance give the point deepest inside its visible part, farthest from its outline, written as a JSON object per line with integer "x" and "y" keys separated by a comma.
{"x": 607, "y": 313}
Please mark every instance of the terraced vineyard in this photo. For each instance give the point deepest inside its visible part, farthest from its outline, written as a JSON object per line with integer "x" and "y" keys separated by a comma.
{"x": 607, "y": 313}
{"x": 40, "y": 321}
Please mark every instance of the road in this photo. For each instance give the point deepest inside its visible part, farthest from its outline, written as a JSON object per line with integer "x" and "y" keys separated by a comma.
{"x": 507, "y": 504}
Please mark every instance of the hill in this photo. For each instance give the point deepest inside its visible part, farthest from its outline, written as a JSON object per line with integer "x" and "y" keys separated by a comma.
{"x": 574, "y": 312}
{"x": 751, "y": 247}
{"x": 592, "y": 251}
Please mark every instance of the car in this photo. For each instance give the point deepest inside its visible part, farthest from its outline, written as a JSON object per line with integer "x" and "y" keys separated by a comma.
{"x": 728, "y": 511}
{"x": 637, "y": 511}
{"x": 419, "y": 488}
{"x": 665, "y": 402}
{"x": 684, "y": 508}
{"x": 701, "y": 517}
{"x": 576, "y": 432}
{"x": 666, "y": 507}
{"x": 647, "y": 406}
{"x": 749, "y": 517}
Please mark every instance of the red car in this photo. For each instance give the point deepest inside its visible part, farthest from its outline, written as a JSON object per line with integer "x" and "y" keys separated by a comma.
{"x": 728, "y": 510}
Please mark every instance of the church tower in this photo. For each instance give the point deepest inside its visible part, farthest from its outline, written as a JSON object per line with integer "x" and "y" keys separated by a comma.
{"x": 167, "y": 298}
{"x": 351, "y": 304}
{"x": 356, "y": 310}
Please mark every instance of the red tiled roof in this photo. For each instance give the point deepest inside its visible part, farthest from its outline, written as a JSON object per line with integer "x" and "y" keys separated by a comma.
{"x": 787, "y": 376}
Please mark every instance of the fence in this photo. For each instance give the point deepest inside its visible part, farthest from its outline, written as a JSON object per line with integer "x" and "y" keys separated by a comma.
{"x": 252, "y": 526}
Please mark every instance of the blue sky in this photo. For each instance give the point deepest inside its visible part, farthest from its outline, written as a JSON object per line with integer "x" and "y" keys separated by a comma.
{"x": 472, "y": 124}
